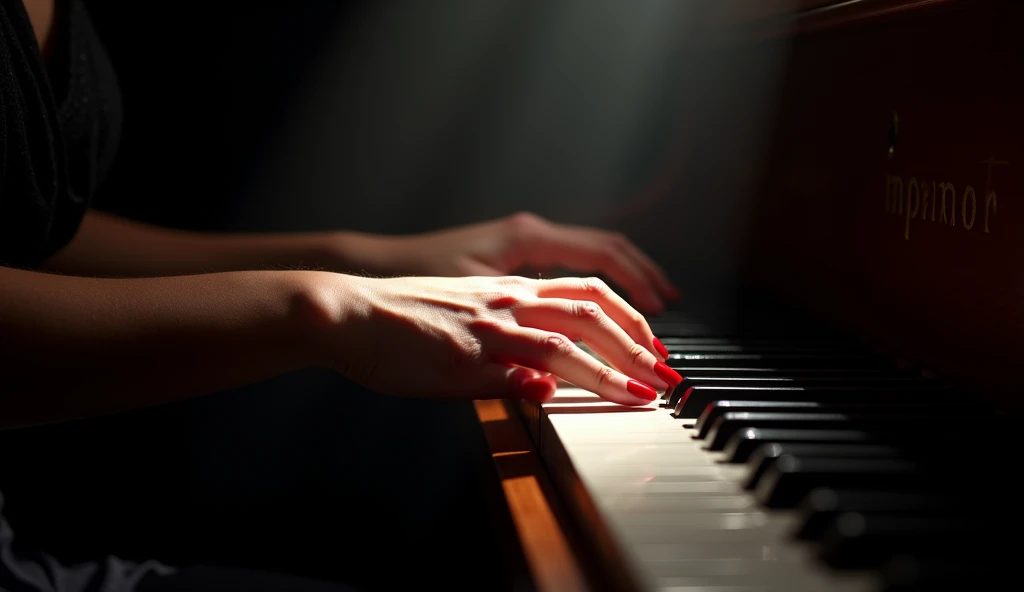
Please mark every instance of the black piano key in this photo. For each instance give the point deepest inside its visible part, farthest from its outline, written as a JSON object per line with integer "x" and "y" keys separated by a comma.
{"x": 780, "y": 360}
{"x": 790, "y": 477}
{"x": 821, "y": 506}
{"x": 763, "y": 458}
{"x": 766, "y": 348}
{"x": 729, "y": 423}
{"x": 745, "y": 442}
{"x": 771, "y": 341}
{"x": 918, "y": 406}
{"x": 694, "y": 400}
{"x": 859, "y": 540}
{"x": 991, "y": 439}
{"x": 768, "y": 378}
{"x": 717, "y": 408}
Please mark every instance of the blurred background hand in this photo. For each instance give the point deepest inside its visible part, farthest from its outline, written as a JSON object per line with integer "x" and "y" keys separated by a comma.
{"x": 510, "y": 245}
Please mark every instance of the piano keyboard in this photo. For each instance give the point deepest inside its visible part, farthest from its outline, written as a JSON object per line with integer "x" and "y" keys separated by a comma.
{"x": 787, "y": 464}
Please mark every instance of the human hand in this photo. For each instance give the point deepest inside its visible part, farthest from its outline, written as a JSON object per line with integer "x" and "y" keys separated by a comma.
{"x": 503, "y": 246}
{"x": 490, "y": 337}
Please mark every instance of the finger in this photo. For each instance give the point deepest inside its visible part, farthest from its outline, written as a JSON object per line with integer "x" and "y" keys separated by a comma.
{"x": 587, "y": 251}
{"x": 582, "y": 320}
{"x": 652, "y": 270}
{"x": 594, "y": 290}
{"x": 508, "y": 381}
{"x": 556, "y": 353}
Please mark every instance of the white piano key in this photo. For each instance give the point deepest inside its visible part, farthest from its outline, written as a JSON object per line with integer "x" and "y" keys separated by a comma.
{"x": 680, "y": 514}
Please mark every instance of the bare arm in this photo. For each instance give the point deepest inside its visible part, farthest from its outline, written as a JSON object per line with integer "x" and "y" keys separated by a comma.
{"x": 73, "y": 347}
{"x": 110, "y": 246}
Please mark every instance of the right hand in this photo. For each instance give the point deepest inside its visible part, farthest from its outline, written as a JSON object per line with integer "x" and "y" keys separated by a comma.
{"x": 493, "y": 337}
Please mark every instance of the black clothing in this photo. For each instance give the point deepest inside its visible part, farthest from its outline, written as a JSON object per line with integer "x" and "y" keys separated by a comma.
{"x": 56, "y": 149}
{"x": 58, "y": 135}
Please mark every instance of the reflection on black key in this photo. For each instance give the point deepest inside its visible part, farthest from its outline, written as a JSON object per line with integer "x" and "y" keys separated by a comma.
{"x": 790, "y": 478}
{"x": 821, "y": 506}
{"x": 766, "y": 348}
{"x": 794, "y": 378}
{"x": 745, "y": 442}
{"x": 765, "y": 456}
{"x": 716, "y": 409}
{"x": 924, "y": 407}
{"x": 780, "y": 360}
{"x": 669, "y": 342}
{"x": 729, "y": 423}
{"x": 694, "y": 400}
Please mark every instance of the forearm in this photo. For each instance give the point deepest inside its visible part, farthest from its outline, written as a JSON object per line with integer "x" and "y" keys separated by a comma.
{"x": 110, "y": 246}
{"x": 73, "y": 347}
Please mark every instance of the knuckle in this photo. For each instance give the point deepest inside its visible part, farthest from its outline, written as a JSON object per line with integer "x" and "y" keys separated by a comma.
{"x": 638, "y": 319}
{"x": 637, "y": 353}
{"x": 618, "y": 239}
{"x": 556, "y": 346}
{"x": 594, "y": 286}
{"x": 587, "y": 311}
{"x": 485, "y": 327}
{"x": 604, "y": 376}
{"x": 502, "y": 300}
{"x": 511, "y": 281}
{"x": 468, "y": 350}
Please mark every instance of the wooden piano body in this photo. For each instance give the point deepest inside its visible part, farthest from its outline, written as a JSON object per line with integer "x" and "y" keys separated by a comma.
{"x": 890, "y": 205}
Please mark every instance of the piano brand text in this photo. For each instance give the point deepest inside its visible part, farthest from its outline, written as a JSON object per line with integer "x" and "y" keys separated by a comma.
{"x": 943, "y": 202}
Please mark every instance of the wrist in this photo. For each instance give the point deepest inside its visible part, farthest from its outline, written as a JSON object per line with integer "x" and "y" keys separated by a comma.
{"x": 325, "y": 310}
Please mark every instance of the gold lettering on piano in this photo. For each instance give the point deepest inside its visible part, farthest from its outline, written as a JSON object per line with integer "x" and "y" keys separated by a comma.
{"x": 990, "y": 195}
{"x": 969, "y": 192}
{"x": 952, "y": 192}
{"x": 911, "y": 200}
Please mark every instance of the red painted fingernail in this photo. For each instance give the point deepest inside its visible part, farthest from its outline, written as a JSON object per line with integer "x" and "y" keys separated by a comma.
{"x": 641, "y": 390}
{"x": 661, "y": 348}
{"x": 667, "y": 374}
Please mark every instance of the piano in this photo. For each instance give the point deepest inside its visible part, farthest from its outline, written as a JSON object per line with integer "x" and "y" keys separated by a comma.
{"x": 852, "y": 423}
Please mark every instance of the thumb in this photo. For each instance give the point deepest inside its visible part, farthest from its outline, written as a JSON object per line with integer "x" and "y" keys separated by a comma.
{"x": 506, "y": 381}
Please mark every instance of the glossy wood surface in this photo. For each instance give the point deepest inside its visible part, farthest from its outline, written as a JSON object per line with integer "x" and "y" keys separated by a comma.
{"x": 531, "y": 502}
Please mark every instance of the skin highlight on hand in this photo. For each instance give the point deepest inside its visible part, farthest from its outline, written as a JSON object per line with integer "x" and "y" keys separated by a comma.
{"x": 493, "y": 337}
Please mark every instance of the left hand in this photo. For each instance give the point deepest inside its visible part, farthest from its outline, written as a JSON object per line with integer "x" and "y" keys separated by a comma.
{"x": 503, "y": 246}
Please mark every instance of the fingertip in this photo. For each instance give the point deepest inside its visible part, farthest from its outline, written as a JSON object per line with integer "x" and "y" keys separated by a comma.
{"x": 532, "y": 385}
{"x": 673, "y": 293}
{"x": 539, "y": 390}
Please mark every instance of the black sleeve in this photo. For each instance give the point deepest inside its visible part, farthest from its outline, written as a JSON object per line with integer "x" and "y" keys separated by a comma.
{"x": 32, "y": 162}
